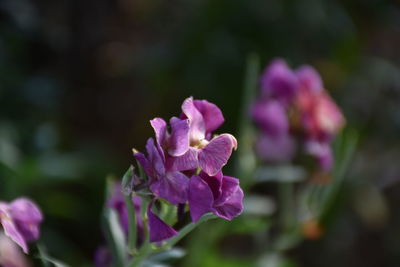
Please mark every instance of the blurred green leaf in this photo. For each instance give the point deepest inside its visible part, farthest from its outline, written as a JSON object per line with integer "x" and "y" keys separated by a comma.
{"x": 280, "y": 173}
{"x": 168, "y": 255}
{"x": 47, "y": 260}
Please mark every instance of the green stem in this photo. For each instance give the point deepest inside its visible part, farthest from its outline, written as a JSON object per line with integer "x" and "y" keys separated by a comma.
{"x": 147, "y": 249}
{"x": 126, "y": 189}
{"x": 245, "y": 158}
{"x": 144, "y": 251}
{"x": 286, "y": 201}
{"x": 132, "y": 224}
{"x": 187, "y": 229}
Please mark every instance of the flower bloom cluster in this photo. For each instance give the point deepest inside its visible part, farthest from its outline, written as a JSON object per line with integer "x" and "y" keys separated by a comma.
{"x": 21, "y": 220}
{"x": 294, "y": 111}
{"x": 184, "y": 166}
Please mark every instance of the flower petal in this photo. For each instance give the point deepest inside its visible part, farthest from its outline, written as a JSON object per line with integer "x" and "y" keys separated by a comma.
{"x": 158, "y": 229}
{"x": 232, "y": 207}
{"x": 142, "y": 160}
{"x": 212, "y": 115}
{"x": 229, "y": 186}
{"x": 187, "y": 161}
{"x": 216, "y": 153}
{"x": 179, "y": 139}
{"x": 156, "y": 159}
{"x": 23, "y": 209}
{"x": 197, "y": 126}
{"x": 29, "y": 231}
{"x": 10, "y": 229}
{"x": 214, "y": 182}
{"x": 271, "y": 117}
{"x": 200, "y": 198}
{"x": 173, "y": 186}
{"x": 275, "y": 148}
{"x": 279, "y": 81}
{"x": 160, "y": 130}
{"x": 328, "y": 116}
{"x": 309, "y": 79}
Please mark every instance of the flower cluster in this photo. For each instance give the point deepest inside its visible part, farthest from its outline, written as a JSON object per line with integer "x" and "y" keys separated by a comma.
{"x": 293, "y": 106}
{"x": 184, "y": 165}
{"x": 20, "y": 220}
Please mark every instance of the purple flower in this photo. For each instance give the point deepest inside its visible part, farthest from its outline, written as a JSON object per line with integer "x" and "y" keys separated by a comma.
{"x": 21, "y": 219}
{"x": 117, "y": 202}
{"x": 270, "y": 115}
{"x": 279, "y": 81}
{"x": 165, "y": 182}
{"x": 219, "y": 194}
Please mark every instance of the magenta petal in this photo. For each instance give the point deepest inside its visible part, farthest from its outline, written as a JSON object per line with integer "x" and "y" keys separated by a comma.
{"x": 172, "y": 187}
{"x": 10, "y": 229}
{"x": 158, "y": 229}
{"x": 23, "y": 209}
{"x": 276, "y": 148}
{"x": 229, "y": 186}
{"x": 160, "y": 130}
{"x": 279, "y": 81}
{"x": 29, "y": 231}
{"x": 200, "y": 198}
{"x": 271, "y": 117}
{"x": 232, "y": 207}
{"x": 11, "y": 254}
{"x": 212, "y": 115}
{"x": 179, "y": 139}
{"x": 216, "y": 153}
{"x": 187, "y": 161}
{"x": 197, "y": 125}
{"x": 309, "y": 79}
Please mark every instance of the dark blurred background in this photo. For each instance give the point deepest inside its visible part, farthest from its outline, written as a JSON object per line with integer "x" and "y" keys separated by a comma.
{"x": 79, "y": 81}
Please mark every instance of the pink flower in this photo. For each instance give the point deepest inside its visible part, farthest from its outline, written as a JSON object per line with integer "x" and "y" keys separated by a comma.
{"x": 20, "y": 220}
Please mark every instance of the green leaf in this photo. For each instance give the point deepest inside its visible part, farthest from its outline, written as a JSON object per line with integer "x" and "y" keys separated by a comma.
{"x": 281, "y": 173}
{"x": 117, "y": 235}
{"x": 171, "y": 254}
{"x": 127, "y": 190}
{"x": 345, "y": 146}
{"x": 126, "y": 183}
{"x": 47, "y": 260}
{"x": 113, "y": 231}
